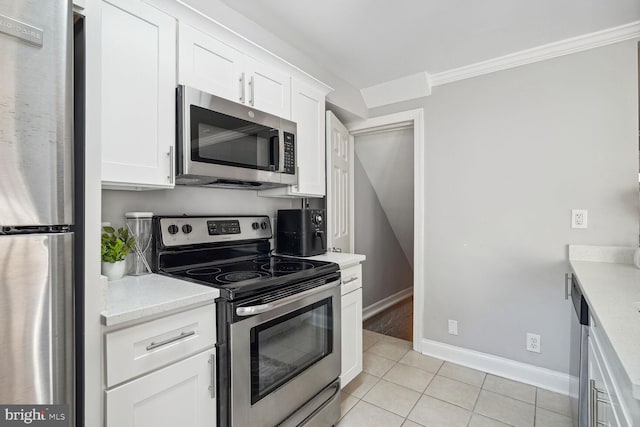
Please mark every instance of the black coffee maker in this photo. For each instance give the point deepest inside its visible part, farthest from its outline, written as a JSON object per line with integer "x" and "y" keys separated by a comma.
{"x": 301, "y": 232}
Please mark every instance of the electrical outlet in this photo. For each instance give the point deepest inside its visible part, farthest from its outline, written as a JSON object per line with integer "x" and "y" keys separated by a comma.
{"x": 453, "y": 327}
{"x": 578, "y": 218}
{"x": 533, "y": 342}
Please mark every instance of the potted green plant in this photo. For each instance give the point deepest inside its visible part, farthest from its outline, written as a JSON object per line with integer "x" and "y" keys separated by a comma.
{"x": 115, "y": 246}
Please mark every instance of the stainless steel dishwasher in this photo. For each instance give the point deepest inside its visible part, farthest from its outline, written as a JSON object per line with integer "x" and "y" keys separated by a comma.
{"x": 578, "y": 366}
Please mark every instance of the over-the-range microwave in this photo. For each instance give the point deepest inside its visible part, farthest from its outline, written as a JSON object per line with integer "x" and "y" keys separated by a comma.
{"x": 225, "y": 144}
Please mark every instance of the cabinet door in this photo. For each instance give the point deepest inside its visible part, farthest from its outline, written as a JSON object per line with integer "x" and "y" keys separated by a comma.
{"x": 307, "y": 110}
{"x": 351, "y": 336}
{"x": 602, "y": 400}
{"x": 268, "y": 89}
{"x": 209, "y": 65}
{"x": 178, "y": 395}
{"x": 138, "y": 94}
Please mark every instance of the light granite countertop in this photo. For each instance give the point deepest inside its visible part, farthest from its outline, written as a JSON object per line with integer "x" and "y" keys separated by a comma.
{"x": 137, "y": 297}
{"x": 343, "y": 259}
{"x": 611, "y": 285}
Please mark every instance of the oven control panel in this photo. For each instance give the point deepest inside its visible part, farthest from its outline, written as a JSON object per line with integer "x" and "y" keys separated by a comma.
{"x": 184, "y": 230}
{"x": 217, "y": 228}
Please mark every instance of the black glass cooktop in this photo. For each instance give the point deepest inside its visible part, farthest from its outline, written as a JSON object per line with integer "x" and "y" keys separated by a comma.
{"x": 251, "y": 276}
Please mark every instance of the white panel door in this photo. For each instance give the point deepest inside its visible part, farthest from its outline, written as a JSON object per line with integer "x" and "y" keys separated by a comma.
{"x": 307, "y": 110}
{"x": 138, "y": 94}
{"x": 268, "y": 89}
{"x": 339, "y": 186}
{"x": 351, "y": 340}
{"x": 177, "y": 395}
{"x": 207, "y": 64}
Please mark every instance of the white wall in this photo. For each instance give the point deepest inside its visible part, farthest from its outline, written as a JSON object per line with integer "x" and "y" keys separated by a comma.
{"x": 386, "y": 270}
{"x": 387, "y": 159}
{"x": 190, "y": 201}
{"x": 507, "y": 156}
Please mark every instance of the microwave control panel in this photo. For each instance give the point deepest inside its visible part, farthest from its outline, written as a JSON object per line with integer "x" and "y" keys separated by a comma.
{"x": 289, "y": 153}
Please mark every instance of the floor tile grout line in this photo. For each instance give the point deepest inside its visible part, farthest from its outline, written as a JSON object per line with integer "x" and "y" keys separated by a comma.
{"x": 434, "y": 374}
{"x": 510, "y": 396}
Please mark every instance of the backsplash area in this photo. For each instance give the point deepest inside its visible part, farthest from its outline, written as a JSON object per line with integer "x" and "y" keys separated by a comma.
{"x": 191, "y": 201}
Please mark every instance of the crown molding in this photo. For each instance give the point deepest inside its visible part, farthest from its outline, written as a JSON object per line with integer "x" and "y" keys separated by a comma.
{"x": 540, "y": 53}
{"x": 403, "y": 89}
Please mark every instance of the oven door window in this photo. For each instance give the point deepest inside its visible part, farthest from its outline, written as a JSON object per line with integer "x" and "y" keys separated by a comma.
{"x": 286, "y": 346}
{"x": 220, "y": 139}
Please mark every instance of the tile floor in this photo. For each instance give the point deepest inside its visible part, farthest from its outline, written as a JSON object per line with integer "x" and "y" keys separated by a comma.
{"x": 400, "y": 387}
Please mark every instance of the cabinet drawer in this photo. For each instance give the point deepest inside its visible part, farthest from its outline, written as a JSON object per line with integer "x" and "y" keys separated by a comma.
{"x": 351, "y": 279}
{"x": 142, "y": 348}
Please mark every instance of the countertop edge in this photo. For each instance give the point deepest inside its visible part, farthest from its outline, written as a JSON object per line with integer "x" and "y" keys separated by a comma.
{"x": 343, "y": 259}
{"x": 134, "y": 298}
{"x": 152, "y": 310}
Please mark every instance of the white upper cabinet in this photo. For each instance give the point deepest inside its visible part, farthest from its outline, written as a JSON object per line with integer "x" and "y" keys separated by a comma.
{"x": 137, "y": 96}
{"x": 268, "y": 89}
{"x": 308, "y": 111}
{"x": 209, "y": 65}
{"x": 214, "y": 67}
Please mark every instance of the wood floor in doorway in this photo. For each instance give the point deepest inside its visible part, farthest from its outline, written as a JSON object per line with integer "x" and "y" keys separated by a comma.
{"x": 396, "y": 321}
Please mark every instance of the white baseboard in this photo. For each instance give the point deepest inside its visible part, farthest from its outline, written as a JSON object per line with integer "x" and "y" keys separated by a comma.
{"x": 378, "y": 307}
{"x": 496, "y": 365}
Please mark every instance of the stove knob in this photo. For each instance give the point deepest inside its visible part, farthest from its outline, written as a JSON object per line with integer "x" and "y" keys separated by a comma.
{"x": 187, "y": 228}
{"x": 173, "y": 229}
{"x": 263, "y": 225}
{"x": 255, "y": 225}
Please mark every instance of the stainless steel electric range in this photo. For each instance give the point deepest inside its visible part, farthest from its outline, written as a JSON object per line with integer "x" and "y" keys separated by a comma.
{"x": 278, "y": 319}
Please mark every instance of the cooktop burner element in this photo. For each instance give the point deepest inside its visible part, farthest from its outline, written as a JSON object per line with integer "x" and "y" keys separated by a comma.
{"x": 239, "y": 276}
{"x": 281, "y": 266}
{"x": 203, "y": 271}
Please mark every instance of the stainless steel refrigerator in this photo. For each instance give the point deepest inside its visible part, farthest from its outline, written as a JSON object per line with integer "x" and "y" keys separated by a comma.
{"x": 36, "y": 203}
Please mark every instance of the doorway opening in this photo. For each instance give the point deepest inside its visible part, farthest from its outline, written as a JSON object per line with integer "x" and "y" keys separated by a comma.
{"x": 405, "y": 302}
{"x": 383, "y": 205}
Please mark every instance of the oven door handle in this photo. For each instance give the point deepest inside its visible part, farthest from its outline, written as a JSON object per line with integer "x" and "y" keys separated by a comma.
{"x": 262, "y": 308}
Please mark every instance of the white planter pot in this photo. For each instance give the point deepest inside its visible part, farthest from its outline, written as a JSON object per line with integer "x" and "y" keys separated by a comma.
{"x": 114, "y": 270}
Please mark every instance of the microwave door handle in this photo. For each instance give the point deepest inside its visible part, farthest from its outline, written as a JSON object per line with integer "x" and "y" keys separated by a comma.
{"x": 280, "y": 150}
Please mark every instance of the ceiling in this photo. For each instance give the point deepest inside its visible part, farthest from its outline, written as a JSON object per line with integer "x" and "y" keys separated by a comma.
{"x": 368, "y": 42}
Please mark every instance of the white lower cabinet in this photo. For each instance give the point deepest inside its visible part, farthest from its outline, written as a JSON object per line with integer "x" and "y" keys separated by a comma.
{"x": 351, "y": 322}
{"x": 610, "y": 399}
{"x": 351, "y": 336}
{"x": 182, "y": 394}
{"x": 162, "y": 372}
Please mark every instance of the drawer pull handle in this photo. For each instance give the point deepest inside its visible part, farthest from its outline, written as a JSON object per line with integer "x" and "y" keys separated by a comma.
{"x": 353, "y": 279}
{"x": 170, "y": 340}
{"x": 212, "y": 387}
{"x": 242, "y": 88}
